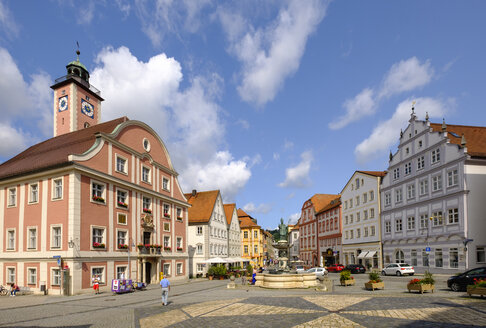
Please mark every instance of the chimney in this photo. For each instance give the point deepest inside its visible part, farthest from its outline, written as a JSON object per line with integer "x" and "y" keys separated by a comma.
{"x": 194, "y": 192}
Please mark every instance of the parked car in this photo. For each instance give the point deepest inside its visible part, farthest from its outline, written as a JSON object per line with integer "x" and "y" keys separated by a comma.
{"x": 335, "y": 268}
{"x": 318, "y": 271}
{"x": 398, "y": 269}
{"x": 299, "y": 268}
{"x": 461, "y": 280}
{"x": 355, "y": 268}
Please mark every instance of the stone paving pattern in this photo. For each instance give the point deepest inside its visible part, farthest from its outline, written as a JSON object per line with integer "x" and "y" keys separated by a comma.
{"x": 323, "y": 311}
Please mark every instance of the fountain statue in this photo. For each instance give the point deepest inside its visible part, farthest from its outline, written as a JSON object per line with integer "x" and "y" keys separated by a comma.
{"x": 283, "y": 247}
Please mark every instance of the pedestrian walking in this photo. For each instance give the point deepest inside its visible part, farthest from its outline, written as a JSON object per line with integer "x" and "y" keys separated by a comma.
{"x": 96, "y": 284}
{"x": 165, "y": 285}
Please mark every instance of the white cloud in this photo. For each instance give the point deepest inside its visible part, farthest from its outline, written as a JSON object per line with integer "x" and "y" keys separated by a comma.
{"x": 298, "y": 176}
{"x": 361, "y": 105}
{"x": 385, "y": 134}
{"x": 406, "y": 75}
{"x": 86, "y": 13}
{"x": 270, "y": 55}
{"x": 188, "y": 120}
{"x": 260, "y": 209}
{"x": 294, "y": 218}
{"x": 243, "y": 123}
{"x": 7, "y": 21}
{"x": 403, "y": 76}
{"x": 167, "y": 16}
{"x": 288, "y": 145}
{"x": 20, "y": 99}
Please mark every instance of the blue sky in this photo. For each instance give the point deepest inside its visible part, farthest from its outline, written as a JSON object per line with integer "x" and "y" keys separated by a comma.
{"x": 268, "y": 101}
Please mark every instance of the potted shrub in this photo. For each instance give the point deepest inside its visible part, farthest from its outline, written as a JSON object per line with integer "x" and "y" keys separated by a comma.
{"x": 345, "y": 278}
{"x": 222, "y": 271}
{"x": 422, "y": 285}
{"x": 375, "y": 281}
{"x": 211, "y": 272}
{"x": 478, "y": 288}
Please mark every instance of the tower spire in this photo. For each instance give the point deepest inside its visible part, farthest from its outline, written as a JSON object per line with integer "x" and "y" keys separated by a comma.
{"x": 444, "y": 126}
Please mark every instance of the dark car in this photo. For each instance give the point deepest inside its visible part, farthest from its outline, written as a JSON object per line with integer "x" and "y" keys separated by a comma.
{"x": 335, "y": 268}
{"x": 461, "y": 280}
{"x": 355, "y": 268}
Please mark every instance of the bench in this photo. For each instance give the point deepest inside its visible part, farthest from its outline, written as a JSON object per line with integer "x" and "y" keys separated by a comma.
{"x": 24, "y": 291}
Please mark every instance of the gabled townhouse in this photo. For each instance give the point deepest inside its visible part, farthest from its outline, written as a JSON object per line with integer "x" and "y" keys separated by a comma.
{"x": 207, "y": 231}
{"x": 294, "y": 243}
{"x": 251, "y": 239}
{"x": 308, "y": 228}
{"x": 234, "y": 231}
{"x": 361, "y": 219}
{"x": 329, "y": 232}
{"x": 433, "y": 198}
{"x": 75, "y": 206}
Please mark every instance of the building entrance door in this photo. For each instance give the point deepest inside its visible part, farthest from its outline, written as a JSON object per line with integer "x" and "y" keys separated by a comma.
{"x": 148, "y": 272}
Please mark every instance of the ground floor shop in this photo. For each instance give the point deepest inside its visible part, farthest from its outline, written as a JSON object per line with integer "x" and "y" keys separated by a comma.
{"x": 443, "y": 255}
{"x": 68, "y": 276}
{"x": 367, "y": 254}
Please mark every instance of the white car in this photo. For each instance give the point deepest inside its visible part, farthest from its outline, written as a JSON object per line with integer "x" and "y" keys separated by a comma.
{"x": 299, "y": 269}
{"x": 398, "y": 269}
{"x": 318, "y": 271}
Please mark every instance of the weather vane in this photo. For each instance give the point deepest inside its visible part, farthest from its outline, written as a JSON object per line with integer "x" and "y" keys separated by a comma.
{"x": 77, "y": 51}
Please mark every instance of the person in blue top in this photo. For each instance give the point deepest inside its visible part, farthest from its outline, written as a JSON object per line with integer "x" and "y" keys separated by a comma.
{"x": 165, "y": 285}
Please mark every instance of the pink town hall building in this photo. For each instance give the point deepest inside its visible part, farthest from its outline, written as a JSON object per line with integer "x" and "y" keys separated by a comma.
{"x": 97, "y": 199}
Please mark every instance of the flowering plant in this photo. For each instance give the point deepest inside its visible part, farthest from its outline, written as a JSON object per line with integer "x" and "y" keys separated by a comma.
{"x": 167, "y": 248}
{"x": 374, "y": 277}
{"x": 98, "y": 245}
{"x": 140, "y": 245}
{"x": 345, "y": 275}
{"x": 427, "y": 280}
{"x": 179, "y": 248}
{"x": 98, "y": 199}
{"x": 122, "y": 246}
{"x": 122, "y": 204}
{"x": 415, "y": 281}
{"x": 167, "y": 215}
{"x": 478, "y": 283}
{"x": 147, "y": 210}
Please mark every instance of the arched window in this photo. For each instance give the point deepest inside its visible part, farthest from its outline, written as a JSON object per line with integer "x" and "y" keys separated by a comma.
{"x": 399, "y": 256}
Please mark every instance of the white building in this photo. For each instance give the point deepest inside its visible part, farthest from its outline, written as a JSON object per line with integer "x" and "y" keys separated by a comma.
{"x": 208, "y": 230}
{"x": 433, "y": 208}
{"x": 294, "y": 243}
{"x": 234, "y": 231}
{"x": 361, "y": 240}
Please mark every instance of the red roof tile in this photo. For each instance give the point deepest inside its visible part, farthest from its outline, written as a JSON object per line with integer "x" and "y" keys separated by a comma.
{"x": 228, "y": 212}
{"x": 55, "y": 152}
{"x": 202, "y": 205}
{"x": 475, "y": 137}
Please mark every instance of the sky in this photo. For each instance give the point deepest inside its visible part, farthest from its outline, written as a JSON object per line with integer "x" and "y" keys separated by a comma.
{"x": 268, "y": 101}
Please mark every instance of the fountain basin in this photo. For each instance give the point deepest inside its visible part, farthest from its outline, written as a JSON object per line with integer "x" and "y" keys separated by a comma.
{"x": 286, "y": 280}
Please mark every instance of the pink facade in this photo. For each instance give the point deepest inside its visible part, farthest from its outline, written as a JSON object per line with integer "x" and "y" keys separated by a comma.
{"x": 329, "y": 233}
{"x": 308, "y": 236}
{"x": 95, "y": 198}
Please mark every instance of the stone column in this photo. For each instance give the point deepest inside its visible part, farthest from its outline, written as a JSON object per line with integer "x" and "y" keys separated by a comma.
{"x": 144, "y": 264}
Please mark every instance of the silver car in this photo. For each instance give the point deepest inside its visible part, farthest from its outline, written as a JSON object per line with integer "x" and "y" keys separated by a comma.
{"x": 398, "y": 269}
{"x": 318, "y": 271}
{"x": 299, "y": 269}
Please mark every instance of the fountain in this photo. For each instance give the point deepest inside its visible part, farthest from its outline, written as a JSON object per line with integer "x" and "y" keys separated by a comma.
{"x": 281, "y": 276}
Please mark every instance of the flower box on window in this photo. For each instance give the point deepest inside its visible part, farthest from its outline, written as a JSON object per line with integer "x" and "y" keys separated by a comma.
{"x": 98, "y": 199}
{"x": 98, "y": 245}
{"x": 179, "y": 219}
{"x": 166, "y": 215}
{"x": 167, "y": 248}
{"x": 147, "y": 210}
{"x": 179, "y": 248}
{"x": 122, "y": 246}
{"x": 122, "y": 204}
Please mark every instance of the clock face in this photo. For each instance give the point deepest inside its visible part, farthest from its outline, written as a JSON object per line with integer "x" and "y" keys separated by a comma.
{"x": 63, "y": 103}
{"x": 87, "y": 109}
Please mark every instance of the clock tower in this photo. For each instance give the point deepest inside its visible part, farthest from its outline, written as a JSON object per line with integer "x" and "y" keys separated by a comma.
{"x": 77, "y": 104}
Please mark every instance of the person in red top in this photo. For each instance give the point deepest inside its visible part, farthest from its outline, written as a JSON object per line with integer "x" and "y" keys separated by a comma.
{"x": 96, "y": 284}
{"x": 14, "y": 289}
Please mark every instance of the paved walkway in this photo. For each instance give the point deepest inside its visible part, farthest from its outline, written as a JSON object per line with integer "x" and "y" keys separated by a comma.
{"x": 206, "y": 303}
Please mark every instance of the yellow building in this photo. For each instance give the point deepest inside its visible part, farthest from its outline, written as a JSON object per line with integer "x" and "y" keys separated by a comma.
{"x": 251, "y": 239}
